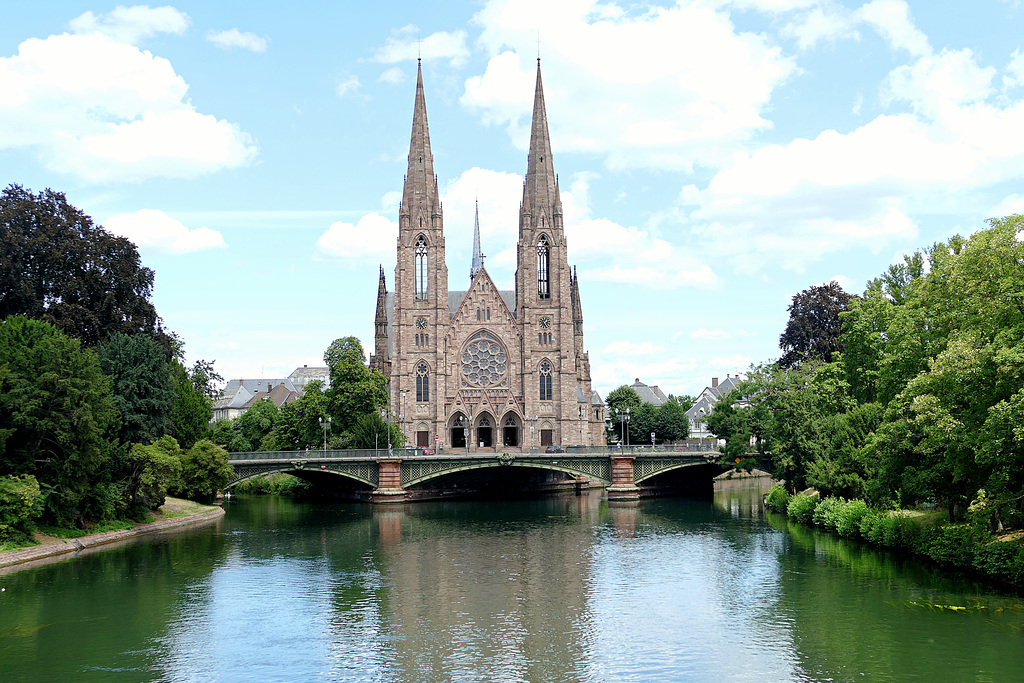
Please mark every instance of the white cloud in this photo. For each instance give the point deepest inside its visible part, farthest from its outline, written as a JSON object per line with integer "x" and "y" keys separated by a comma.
{"x": 821, "y": 24}
{"x": 109, "y": 112}
{"x": 235, "y": 38}
{"x": 1011, "y": 204}
{"x": 626, "y": 255}
{"x": 736, "y": 362}
{"x": 406, "y": 45}
{"x": 628, "y": 348}
{"x": 151, "y": 229}
{"x": 372, "y": 238}
{"x": 718, "y": 335}
{"x": 681, "y": 87}
{"x": 347, "y": 85}
{"x": 791, "y": 204}
{"x": 132, "y": 24}
{"x": 891, "y": 18}
{"x": 394, "y": 76}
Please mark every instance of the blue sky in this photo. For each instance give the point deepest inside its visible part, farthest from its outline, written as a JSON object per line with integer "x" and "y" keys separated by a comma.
{"x": 715, "y": 157}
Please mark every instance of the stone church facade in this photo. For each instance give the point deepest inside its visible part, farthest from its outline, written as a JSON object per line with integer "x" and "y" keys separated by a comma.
{"x": 485, "y": 370}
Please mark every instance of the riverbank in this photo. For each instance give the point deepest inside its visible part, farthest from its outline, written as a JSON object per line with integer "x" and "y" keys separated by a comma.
{"x": 174, "y": 513}
{"x": 966, "y": 546}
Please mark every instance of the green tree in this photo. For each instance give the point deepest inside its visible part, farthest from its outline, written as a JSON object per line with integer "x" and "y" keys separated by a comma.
{"x": 192, "y": 409}
{"x": 670, "y": 421}
{"x": 355, "y": 389}
{"x": 617, "y": 401}
{"x": 56, "y": 411}
{"x": 371, "y": 431}
{"x": 21, "y": 503}
{"x": 57, "y": 266}
{"x": 140, "y": 384}
{"x": 151, "y": 471}
{"x": 255, "y": 424}
{"x": 205, "y": 470}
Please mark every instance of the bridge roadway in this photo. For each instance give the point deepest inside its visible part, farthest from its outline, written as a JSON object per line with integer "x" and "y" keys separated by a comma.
{"x": 393, "y": 477}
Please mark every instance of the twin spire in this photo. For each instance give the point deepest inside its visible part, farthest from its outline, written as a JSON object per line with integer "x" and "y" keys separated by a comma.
{"x": 420, "y": 194}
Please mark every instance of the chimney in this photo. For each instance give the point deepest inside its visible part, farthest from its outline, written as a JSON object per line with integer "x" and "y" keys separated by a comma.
{"x": 714, "y": 382}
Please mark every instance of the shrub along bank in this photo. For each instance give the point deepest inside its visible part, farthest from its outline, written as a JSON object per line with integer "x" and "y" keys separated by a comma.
{"x": 969, "y": 545}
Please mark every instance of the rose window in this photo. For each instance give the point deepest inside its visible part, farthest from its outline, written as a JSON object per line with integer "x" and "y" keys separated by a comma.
{"x": 484, "y": 362}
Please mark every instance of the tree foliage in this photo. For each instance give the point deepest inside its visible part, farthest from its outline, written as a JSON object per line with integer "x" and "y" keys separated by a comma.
{"x": 57, "y": 266}
{"x": 924, "y": 395}
{"x": 140, "y": 384}
{"x": 57, "y": 415}
{"x": 205, "y": 470}
{"x": 812, "y": 332}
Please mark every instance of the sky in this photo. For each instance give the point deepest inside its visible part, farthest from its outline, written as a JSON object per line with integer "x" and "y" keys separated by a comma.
{"x": 715, "y": 157}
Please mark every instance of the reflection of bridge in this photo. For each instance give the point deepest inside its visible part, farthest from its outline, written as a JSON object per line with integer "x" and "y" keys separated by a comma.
{"x": 405, "y": 474}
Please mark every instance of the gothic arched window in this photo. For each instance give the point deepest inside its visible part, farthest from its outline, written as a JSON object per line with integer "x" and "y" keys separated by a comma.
{"x": 543, "y": 263}
{"x": 545, "y": 381}
{"x": 421, "y": 268}
{"x": 422, "y": 383}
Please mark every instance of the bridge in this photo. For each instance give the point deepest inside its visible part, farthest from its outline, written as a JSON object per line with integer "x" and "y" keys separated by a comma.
{"x": 383, "y": 476}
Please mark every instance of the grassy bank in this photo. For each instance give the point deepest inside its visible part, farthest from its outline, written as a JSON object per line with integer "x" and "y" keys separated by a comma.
{"x": 172, "y": 508}
{"x": 969, "y": 546}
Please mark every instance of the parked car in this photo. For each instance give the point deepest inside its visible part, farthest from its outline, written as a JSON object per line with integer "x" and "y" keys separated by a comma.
{"x": 555, "y": 449}
{"x": 427, "y": 451}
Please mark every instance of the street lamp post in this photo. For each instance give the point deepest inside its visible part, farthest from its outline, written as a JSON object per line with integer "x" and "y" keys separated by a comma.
{"x": 533, "y": 425}
{"x": 325, "y": 425}
{"x": 401, "y": 418}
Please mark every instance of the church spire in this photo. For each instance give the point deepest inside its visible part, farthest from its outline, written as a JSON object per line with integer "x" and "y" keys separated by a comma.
{"x": 380, "y": 320}
{"x": 540, "y": 192}
{"x": 420, "y": 191}
{"x": 478, "y": 256}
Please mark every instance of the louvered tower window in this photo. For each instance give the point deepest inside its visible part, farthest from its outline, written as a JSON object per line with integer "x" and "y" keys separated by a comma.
{"x": 543, "y": 262}
{"x": 421, "y": 268}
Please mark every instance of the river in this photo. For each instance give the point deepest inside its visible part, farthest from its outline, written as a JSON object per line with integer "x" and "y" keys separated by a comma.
{"x": 564, "y": 588}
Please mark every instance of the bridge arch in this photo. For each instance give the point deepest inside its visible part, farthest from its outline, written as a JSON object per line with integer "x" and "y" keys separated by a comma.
{"x": 645, "y": 469}
{"x": 418, "y": 473}
{"x": 363, "y": 473}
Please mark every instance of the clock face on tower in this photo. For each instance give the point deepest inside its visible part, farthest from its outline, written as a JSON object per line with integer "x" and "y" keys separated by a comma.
{"x": 421, "y": 323}
{"x": 545, "y": 322}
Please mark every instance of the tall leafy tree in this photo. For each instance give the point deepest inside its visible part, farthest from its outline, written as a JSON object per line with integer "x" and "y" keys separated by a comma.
{"x": 812, "y": 332}
{"x": 56, "y": 412}
{"x": 617, "y": 401}
{"x": 140, "y": 385}
{"x": 57, "y": 266}
{"x": 355, "y": 389}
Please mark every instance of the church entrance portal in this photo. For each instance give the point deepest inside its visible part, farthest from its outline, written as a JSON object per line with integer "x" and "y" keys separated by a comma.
{"x": 457, "y": 438}
{"x": 510, "y": 434}
{"x": 483, "y": 432}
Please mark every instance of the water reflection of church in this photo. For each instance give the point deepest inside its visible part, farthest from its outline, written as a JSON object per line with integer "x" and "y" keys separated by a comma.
{"x": 500, "y": 370}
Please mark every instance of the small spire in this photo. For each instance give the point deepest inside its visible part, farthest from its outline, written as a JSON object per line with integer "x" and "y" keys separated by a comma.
{"x": 478, "y": 256}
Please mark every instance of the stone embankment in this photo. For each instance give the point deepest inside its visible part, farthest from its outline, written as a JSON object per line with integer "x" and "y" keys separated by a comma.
{"x": 189, "y": 514}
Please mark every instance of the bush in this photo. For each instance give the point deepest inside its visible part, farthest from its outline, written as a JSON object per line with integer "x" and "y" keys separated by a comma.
{"x": 778, "y": 498}
{"x": 826, "y": 515}
{"x": 955, "y": 544}
{"x": 849, "y": 516}
{"x": 204, "y": 471}
{"x": 1002, "y": 560}
{"x": 21, "y": 503}
{"x": 801, "y": 507}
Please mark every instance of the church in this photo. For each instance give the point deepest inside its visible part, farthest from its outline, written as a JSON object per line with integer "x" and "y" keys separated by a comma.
{"x": 482, "y": 369}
